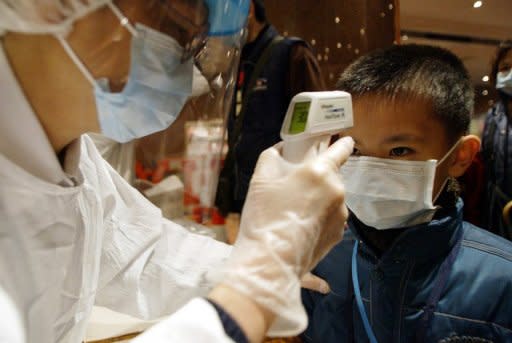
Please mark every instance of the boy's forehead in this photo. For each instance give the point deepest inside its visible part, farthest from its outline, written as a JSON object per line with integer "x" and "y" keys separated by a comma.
{"x": 378, "y": 116}
{"x": 371, "y": 110}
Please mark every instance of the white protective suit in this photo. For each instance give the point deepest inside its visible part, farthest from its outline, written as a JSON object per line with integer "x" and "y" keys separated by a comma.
{"x": 121, "y": 156}
{"x": 80, "y": 235}
{"x": 11, "y": 325}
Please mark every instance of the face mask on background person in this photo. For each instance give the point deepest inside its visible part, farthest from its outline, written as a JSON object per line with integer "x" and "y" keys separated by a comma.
{"x": 390, "y": 194}
{"x": 504, "y": 82}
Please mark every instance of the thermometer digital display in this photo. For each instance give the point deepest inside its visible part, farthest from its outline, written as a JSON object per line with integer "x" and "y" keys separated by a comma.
{"x": 312, "y": 118}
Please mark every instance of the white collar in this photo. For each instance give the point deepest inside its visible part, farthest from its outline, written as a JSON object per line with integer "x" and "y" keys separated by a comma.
{"x": 22, "y": 138}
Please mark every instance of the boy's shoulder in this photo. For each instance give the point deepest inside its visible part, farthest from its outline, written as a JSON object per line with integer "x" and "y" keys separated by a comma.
{"x": 483, "y": 253}
{"x": 484, "y": 264}
{"x": 482, "y": 273}
{"x": 487, "y": 244}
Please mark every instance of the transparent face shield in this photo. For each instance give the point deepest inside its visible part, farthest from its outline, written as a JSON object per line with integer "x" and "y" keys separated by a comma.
{"x": 163, "y": 72}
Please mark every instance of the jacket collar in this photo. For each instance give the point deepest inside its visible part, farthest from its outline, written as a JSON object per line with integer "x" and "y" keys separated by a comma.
{"x": 252, "y": 51}
{"x": 424, "y": 242}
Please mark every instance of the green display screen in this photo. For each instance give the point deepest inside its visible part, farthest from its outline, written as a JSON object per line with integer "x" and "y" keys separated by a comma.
{"x": 299, "y": 117}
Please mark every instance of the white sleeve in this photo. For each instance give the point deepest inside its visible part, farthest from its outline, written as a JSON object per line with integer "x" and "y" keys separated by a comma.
{"x": 11, "y": 327}
{"x": 154, "y": 275}
{"x": 149, "y": 266}
{"x": 196, "y": 322}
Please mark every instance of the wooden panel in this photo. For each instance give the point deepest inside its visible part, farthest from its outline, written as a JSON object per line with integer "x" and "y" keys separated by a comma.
{"x": 339, "y": 31}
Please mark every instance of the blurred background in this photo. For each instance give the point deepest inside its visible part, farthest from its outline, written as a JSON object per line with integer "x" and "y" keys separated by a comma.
{"x": 339, "y": 31}
{"x": 471, "y": 29}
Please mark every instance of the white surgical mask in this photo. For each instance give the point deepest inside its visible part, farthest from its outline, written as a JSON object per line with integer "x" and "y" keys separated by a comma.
{"x": 504, "y": 82}
{"x": 389, "y": 194}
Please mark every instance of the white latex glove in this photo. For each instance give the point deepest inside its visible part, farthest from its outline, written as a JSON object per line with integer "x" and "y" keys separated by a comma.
{"x": 293, "y": 215}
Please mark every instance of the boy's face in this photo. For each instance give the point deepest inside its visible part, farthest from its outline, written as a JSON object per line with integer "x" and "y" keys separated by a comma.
{"x": 401, "y": 130}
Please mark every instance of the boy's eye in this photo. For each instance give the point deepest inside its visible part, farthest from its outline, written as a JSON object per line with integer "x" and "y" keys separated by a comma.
{"x": 400, "y": 151}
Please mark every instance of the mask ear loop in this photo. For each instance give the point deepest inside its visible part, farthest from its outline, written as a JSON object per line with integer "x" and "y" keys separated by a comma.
{"x": 449, "y": 151}
{"x": 440, "y": 191}
{"x": 122, "y": 18}
{"x": 71, "y": 53}
{"x": 440, "y": 162}
{"x": 76, "y": 60}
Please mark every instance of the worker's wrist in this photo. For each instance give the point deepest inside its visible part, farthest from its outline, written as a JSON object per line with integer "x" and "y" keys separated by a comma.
{"x": 253, "y": 319}
{"x": 231, "y": 326}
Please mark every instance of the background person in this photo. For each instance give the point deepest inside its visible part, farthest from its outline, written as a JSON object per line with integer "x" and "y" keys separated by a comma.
{"x": 272, "y": 70}
{"x": 497, "y": 146}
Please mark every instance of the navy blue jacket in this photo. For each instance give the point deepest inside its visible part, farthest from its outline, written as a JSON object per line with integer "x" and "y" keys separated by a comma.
{"x": 497, "y": 156}
{"x": 264, "y": 111}
{"x": 258, "y": 128}
{"x": 475, "y": 304}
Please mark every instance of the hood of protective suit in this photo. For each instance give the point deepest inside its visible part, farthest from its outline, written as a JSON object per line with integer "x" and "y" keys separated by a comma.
{"x": 44, "y": 17}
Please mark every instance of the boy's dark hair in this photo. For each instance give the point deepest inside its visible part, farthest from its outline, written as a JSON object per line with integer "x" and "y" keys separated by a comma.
{"x": 259, "y": 11}
{"x": 420, "y": 72}
{"x": 501, "y": 52}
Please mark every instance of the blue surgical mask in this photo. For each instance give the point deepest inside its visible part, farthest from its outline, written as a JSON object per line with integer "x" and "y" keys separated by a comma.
{"x": 158, "y": 86}
{"x": 504, "y": 82}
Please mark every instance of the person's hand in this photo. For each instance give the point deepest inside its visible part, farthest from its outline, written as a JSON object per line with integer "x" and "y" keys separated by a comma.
{"x": 293, "y": 215}
{"x": 314, "y": 283}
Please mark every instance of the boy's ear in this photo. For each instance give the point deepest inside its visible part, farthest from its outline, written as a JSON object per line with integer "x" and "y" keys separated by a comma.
{"x": 465, "y": 153}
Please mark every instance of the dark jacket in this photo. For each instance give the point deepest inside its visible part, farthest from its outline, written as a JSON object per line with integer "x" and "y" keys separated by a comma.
{"x": 264, "y": 110}
{"x": 475, "y": 303}
{"x": 289, "y": 69}
{"x": 497, "y": 157}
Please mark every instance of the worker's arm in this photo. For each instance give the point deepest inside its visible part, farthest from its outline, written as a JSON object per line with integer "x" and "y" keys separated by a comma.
{"x": 150, "y": 271}
{"x": 282, "y": 236}
{"x": 149, "y": 267}
{"x": 213, "y": 320}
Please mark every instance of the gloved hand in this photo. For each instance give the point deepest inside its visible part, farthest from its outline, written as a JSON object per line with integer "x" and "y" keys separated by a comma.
{"x": 293, "y": 215}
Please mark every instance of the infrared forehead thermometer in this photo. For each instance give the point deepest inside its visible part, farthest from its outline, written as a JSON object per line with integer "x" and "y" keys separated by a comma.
{"x": 312, "y": 118}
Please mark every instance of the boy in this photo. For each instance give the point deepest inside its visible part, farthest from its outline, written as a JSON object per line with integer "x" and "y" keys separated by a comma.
{"x": 418, "y": 272}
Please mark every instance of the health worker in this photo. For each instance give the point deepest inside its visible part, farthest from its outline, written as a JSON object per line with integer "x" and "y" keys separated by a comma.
{"x": 75, "y": 234}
